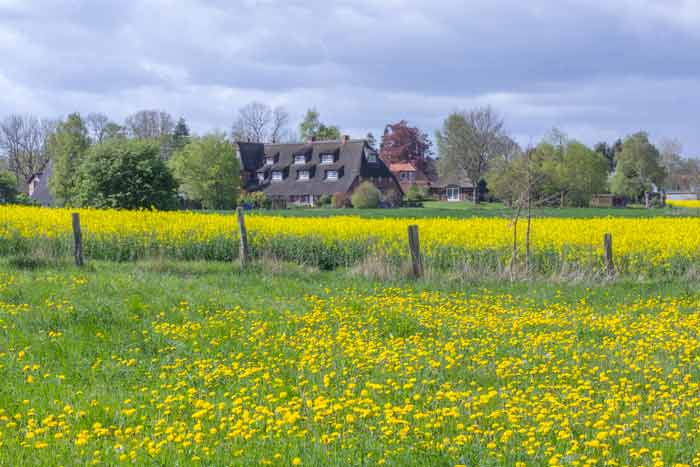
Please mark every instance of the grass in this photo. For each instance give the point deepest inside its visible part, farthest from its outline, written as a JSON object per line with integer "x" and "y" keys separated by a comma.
{"x": 195, "y": 363}
{"x": 465, "y": 209}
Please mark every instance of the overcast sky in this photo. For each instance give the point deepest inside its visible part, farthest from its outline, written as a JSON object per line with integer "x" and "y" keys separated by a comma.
{"x": 595, "y": 69}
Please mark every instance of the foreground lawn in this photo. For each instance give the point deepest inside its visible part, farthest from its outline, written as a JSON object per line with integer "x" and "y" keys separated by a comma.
{"x": 202, "y": 364}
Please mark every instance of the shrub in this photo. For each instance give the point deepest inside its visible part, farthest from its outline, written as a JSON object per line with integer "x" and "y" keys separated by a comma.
{"x": 126, "y": 174}
{"x": 256, "y": 200}
{"x": 324, "y": 200}
{"x": 366, "y": 196}
{"x": 413, "y": 194}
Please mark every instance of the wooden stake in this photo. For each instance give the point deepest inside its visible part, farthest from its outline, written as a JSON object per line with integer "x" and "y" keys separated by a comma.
{"x": 243, "y": 253}
{"x": 414, "y": 245}
{"x": 78, "y": 238}
{"x": 607, "y": 247}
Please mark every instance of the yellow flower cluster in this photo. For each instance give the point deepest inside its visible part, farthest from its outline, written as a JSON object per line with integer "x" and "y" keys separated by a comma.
{"x": 692, "y": 204}
{"x": 640, "y": 244}
{"x": 397, "y": 378}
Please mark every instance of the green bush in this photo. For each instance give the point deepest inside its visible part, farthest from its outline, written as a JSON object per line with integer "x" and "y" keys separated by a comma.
{"x": 324, "y": 200}
{"x": 256, "y": 200}
{"x": 366, "y": 196}
{"x": 8, "y": 187}
{"x": 413, "y": 194}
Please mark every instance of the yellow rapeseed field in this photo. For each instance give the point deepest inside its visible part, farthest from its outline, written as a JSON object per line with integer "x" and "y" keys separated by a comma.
{"x": 693, "y": 204}
{"x": 640, "y": 244}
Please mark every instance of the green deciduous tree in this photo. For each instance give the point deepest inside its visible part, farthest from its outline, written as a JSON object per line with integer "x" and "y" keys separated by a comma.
{"x": 638, "y": 167}
{"x": 208, "y": 171}
{"x": 126, "y": 174}
{"x": 312, "y": 128}
{"x": 67, "y": 147}
{"x": 468, "y": 142}
{"x": 8, "y": 187}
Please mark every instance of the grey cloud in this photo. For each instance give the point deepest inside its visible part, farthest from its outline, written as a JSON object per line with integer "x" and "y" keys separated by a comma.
{"x": 595, "y": 68}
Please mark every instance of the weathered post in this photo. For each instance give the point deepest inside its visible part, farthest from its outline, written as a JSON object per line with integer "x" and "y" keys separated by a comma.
{"x": 243, "y": 254}
{"x": 607, "y": 247}
{"x": 78, "y": 239}
{"x": 414, "y": 245}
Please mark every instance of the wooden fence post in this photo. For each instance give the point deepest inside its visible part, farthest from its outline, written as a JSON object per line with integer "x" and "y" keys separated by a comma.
{"x": 243, "y": 253}
{"x": 414, "y": 245}
{"x": 609, "y": 263}
{"x": 78, "y": 238}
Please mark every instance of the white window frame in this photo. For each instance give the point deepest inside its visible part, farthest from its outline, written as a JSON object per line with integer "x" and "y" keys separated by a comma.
{"x": 332, "y": 177}
{"x": 261, "y": 177}
{"x": 277, "y": 175}
{"x": 372, "y": 158}
{"x": 269, "y": 160}
{"x": 299, "y": 159}
{"x": 451, "y": 191}
{"x": 304, "y": 175}
{"x": 327, "y": 159}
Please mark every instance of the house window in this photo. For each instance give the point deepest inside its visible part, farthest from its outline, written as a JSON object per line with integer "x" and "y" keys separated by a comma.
{"x": 403, "y": 176}
{"x": 269, "y": 160}
{"x": 304, "y": 175}
{"x": 453, "y": 193}
{"x": 371, "y": 158}
{"x": 327, "y": 158}
{"x": 300, "y": 159}
{"x": 261, "y": 177}
{"x": 332, "y": 175}
{"x": 276, "y": 176}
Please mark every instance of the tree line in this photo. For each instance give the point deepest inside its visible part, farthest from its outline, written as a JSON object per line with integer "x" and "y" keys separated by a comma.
{"x": 558, "y": 170}
{"x": 153, "y": 160}
{"x": 149, "y": 160}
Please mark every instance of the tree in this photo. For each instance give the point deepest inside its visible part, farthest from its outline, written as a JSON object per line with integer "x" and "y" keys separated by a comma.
{"x": 280, "y": 120}
{"x": 97, "y": 123}
{"x": 114, "y": 130}
{"x": 126, "y": 174}
{"x": 582, "y": 173}
{"x": 259, "y": 123}
{"x": 638, "y": 167}
{"x": 208, "y": 171}
{"x": 404, "y": 143}
{"x": 67, "y": 147}
{"x": 150, "y": 124}
{"x": 468, "y": 142}
{"x": 682, "y": 174}
{"x": 23, "y": 139}
{"x": 181, "y": 135}
{"x": 312, "y": 128}
{"x": 609, "y": 152}
{"x": 8, "y": 187}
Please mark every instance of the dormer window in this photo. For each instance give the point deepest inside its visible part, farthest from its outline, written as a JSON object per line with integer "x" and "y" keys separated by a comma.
{"x": 371, "y": 158}
{"x": 300, "y": 159}
{"x": 304, "y": 175}
{"x": 332, "y": 175}
{"x": 327, "y": 158}
{"x": 277, "y": 176}
{"x": 269, "y": 160}
{"x": 261, "y": 177}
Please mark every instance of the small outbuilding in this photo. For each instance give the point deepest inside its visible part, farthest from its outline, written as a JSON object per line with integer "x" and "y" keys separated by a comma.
{"x": 608, "y": 200}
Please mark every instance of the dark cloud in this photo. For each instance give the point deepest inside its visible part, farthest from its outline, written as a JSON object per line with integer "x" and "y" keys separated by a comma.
{"x": 597, "y": 70}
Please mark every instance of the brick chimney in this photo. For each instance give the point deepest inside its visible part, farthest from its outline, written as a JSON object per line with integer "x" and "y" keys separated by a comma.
{"x": 344, "y": 139}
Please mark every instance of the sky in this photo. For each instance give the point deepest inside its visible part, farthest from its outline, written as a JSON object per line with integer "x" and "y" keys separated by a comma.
{"x": 597, "y": 70}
